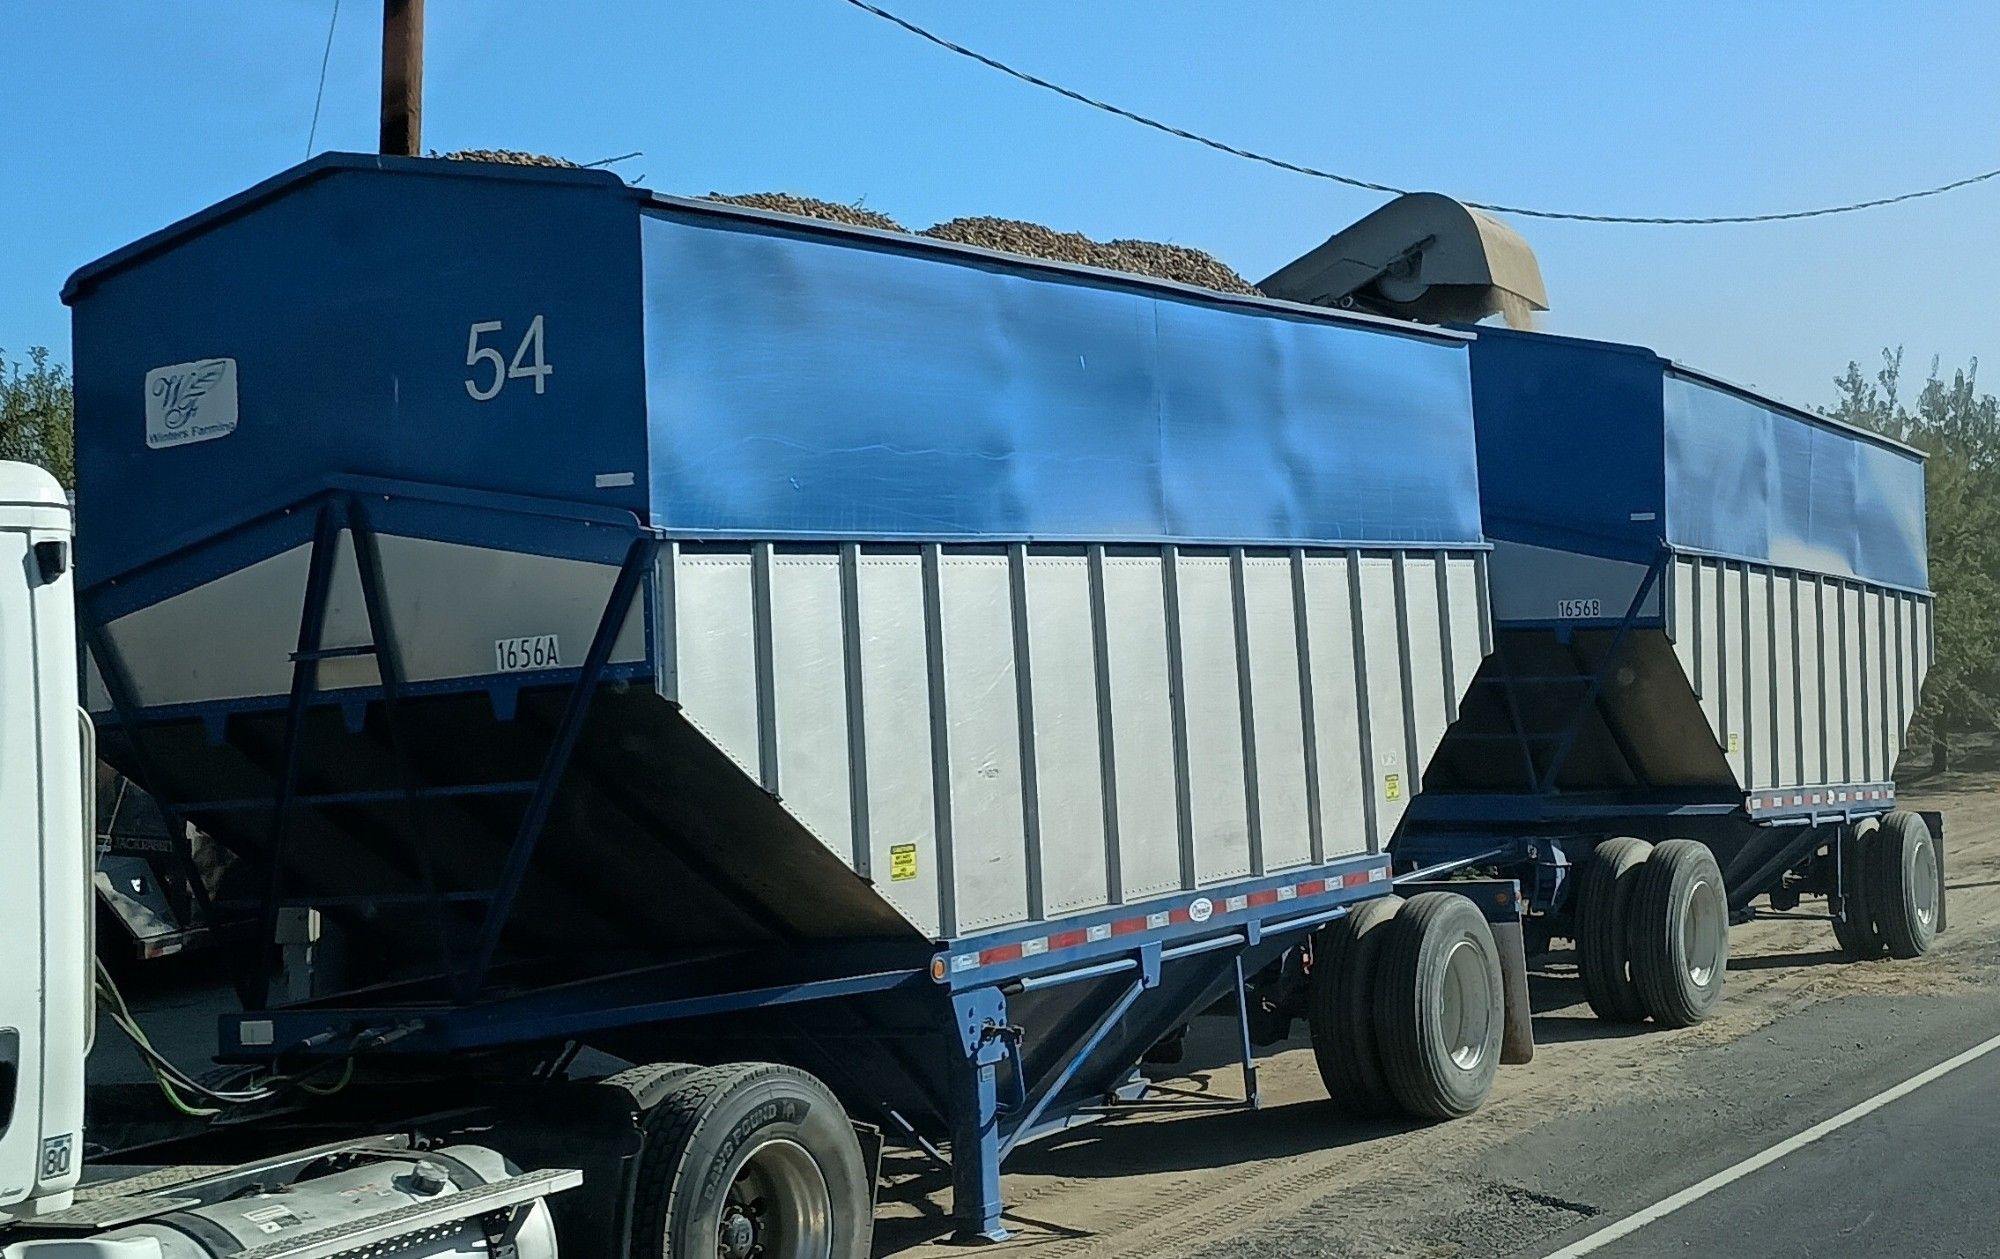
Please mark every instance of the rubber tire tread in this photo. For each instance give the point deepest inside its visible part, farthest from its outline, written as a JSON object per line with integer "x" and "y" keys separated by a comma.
{"x": 648, "y": 1082}
{"x": 1409, "y": 978}
{"x": 1603, "y": 909}
{"x": 1890, "y": 892}
{"x": 1340, "y": 1009}
{"x": 1861, "y": 937}
{"x": 1658, "y": 952}
{"x": 677, "y": 1121}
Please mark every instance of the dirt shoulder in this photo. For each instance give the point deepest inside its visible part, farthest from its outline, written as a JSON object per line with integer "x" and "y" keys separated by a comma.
{"x": 1164, "y": 1185}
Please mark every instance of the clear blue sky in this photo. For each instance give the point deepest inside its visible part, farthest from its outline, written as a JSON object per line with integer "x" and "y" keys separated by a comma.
{"x": 118, "y": 116}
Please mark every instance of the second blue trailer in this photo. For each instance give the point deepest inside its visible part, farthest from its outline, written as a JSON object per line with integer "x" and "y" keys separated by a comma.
{"x": 1712, "y": 625}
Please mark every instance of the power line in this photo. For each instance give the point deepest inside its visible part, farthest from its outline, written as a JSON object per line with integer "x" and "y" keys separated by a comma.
{"x": 319, "y": 96}
{"x": 1371, "y": 186}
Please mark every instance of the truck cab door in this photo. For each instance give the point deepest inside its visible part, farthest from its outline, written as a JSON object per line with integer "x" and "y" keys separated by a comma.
{"x": 45, "y": 967}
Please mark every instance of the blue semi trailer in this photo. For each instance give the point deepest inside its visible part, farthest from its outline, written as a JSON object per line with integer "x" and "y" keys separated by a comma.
{"x": 880, "y": 689}
{"x": 1712, "y": 623}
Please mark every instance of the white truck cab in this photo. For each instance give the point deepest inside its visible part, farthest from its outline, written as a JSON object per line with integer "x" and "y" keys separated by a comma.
{"x": 46, "y": 1010}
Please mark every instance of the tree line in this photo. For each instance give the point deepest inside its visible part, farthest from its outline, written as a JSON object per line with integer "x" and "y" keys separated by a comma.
{"x": 1946, "y": 416}
{"x": 1958, "y": 427}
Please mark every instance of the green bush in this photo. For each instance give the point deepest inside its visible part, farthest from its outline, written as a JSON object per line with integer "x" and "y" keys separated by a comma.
{"x": 38, "y": 414}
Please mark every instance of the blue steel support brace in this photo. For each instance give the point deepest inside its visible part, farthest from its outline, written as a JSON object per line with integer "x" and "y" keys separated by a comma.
{"x": 981, "y": 1016}
{"x": 1252, "y": 1094}
{"x": 388, "y": 664}
{"x": 305, "y": 680}
{"x": 1584, "y": 706}
{"x": 638, "y": 561}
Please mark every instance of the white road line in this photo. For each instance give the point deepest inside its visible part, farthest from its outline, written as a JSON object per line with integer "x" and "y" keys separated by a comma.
{"x": 1695, "y": 1192}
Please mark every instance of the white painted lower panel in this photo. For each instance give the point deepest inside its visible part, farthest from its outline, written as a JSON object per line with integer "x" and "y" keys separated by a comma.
{"x": 232, "y": 638}
{"x": 1133, "y": 793}
{"x": 1819, "y": 676}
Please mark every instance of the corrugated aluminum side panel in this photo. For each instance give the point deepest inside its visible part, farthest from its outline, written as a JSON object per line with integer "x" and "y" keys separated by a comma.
{"x": 716, "y": 651}
{"x": 983, "y": 743}
{"x": 1853, "y": 648}
{"x": 1732, "y": 640}
{"x": 1834, "y": 703}
{"x": 1818, "y": 683}
{"x": 902, "y": 833}
{"x": 1067, "y": 792}
{"x": 995, "y": 735}
{"x": 1760, "y": 716}
{"x": 1141, "y": 726}
{"x": 1423, "y": 642}
{"x": 1380, "y": 622}
{"x": 1471, "y": 630}
{"x": 1819, "y": 677}
{"x": 1786, "y": 694}
{"x": 1285, "y": 826}
{"x": 1340, "y": 733}
{"x": 1213, "y": 719}
{"x": 809, "y": 701}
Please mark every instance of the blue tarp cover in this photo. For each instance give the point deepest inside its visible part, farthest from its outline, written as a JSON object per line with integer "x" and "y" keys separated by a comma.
{"x": 1747, "y": 478}
{"x": 813, "y": 384}
{"x": 1611, "y": 450}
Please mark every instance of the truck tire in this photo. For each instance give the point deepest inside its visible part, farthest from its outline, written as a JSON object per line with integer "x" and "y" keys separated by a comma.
{"x": 1603, "y": 907}
{"x": 1440, "y": 1009}
{"x": 1903, "y": 891}
{"x": 649, "y": 1082}
{"x": 749, "y": 1159}
{"x": 1680, "y": 933}
{"x": 1860, "y": 938}
{"x": 1340, "y": 1009}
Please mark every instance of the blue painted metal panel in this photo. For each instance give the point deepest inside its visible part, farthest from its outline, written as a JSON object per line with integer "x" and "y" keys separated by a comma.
{"x": 346, "y": 291}
{"x": 1750, "y": 479}
{"x": 780, "y": 380}
{"x": 817, "y": 384}
{"x": 1570, "y": 449}
{"x": 1611, "y": 450}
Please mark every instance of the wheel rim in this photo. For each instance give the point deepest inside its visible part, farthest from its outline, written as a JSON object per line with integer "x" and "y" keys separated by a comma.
{"x": 1923, "y": 882}
{"x": 1468, "y": 1005}
{"x": 778, "y": 1206}
{"x": 1702, "y": 933}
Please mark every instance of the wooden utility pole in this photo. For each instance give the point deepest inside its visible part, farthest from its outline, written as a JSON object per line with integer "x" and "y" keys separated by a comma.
{"x": 403, "y": 77}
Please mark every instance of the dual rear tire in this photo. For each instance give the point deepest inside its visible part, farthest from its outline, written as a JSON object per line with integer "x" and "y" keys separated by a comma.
{"x": 1890, "y": 887}
{"x": 1406, "y": 1007}
{"x": 1652, "y": 935}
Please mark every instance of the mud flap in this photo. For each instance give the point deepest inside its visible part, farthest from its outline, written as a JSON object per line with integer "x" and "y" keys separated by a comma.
{"x": 1517, "y": 1040}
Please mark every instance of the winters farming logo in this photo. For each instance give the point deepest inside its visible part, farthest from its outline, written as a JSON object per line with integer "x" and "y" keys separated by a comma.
{"x": 190, "y": 402}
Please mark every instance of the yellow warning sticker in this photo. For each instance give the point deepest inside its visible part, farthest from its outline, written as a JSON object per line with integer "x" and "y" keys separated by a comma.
{"x": 1392, "y": 786}
{"x": 1735, "y": 743}
{"x": 902, "y": 862}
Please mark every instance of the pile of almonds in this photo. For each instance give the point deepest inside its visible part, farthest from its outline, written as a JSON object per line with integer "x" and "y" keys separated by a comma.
{"x": 809, "y": 207}
{"x": 509, "y": 157}
{"x": 1014, "y": 236}
{"x": 1177, "y": 262}
{"x": 1017, "y": 236}
{"x": 1137, "y": 257}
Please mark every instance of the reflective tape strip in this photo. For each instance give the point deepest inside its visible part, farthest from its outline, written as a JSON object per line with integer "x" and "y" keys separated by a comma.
{"x": 1179, "y": 915}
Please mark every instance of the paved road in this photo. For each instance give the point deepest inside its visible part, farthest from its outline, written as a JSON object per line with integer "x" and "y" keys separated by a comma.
{"x": 1921, "y": 1176}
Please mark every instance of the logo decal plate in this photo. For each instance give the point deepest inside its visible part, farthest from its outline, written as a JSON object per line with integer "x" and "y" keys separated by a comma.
{"x": 190, "y": 402}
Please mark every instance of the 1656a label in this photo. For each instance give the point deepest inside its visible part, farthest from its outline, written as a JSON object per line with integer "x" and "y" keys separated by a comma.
{"x": 525, "y": 655}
